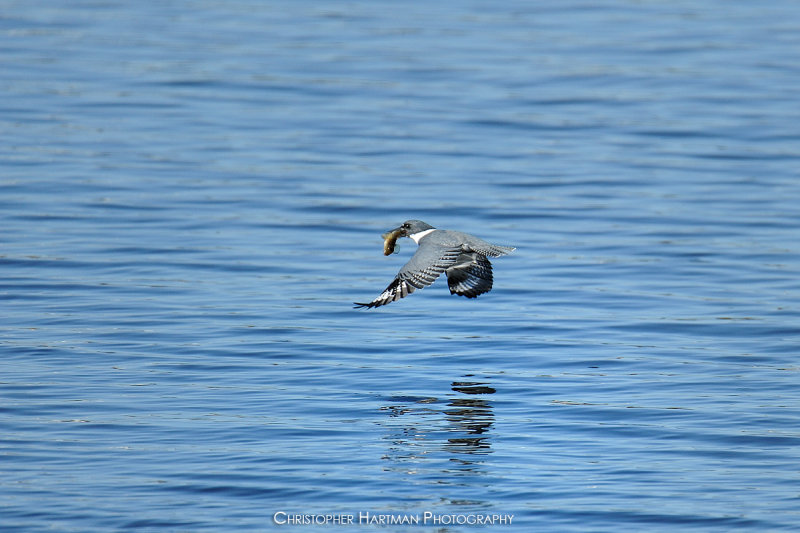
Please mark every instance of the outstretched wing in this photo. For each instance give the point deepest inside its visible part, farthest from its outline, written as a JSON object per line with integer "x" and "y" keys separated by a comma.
{"x": 397, "y": 289}
{"x": 421, "y": 270}
{"x": 470, "y": 276}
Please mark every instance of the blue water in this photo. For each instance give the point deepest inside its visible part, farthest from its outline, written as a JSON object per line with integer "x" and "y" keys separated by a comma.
{"x": 192, "y": 196}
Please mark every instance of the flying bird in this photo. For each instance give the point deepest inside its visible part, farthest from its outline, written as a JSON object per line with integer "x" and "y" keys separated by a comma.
{"x": 463, "y": 257}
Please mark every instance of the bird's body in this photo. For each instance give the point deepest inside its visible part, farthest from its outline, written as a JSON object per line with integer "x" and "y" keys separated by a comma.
{"x": 461, "y": 256}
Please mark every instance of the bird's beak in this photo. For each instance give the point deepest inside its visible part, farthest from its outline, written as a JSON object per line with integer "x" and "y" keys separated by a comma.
{"x": 396, "y": 233}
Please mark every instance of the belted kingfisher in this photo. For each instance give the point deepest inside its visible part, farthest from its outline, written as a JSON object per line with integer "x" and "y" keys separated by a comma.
{"x": 463, "y": 257}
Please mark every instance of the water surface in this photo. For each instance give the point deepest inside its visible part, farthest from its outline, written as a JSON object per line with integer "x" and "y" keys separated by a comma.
{"x": 192, "y": 197}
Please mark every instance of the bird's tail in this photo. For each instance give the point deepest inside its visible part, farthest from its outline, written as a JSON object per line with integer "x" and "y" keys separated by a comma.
{"x": 497, "y": 250}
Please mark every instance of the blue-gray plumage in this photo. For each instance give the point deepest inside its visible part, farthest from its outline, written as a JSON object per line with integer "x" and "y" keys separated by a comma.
{"x": 463, "y": 257}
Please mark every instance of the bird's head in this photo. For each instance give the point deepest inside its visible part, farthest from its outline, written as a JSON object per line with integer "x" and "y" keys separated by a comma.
{"x": 411, "y": 227}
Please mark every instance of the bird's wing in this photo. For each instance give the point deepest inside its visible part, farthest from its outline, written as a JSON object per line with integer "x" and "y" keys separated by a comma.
{"x": 471, "y": 276}
{"x": 421, "y": 270}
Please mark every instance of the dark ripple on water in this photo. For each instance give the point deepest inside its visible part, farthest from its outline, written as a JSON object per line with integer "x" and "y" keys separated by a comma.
{"x": 192, "y": 198}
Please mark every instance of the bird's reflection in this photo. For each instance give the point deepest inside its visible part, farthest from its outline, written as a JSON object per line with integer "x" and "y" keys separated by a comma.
{"x": 473, "y": 417}
{"x": 421, "y": 428}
